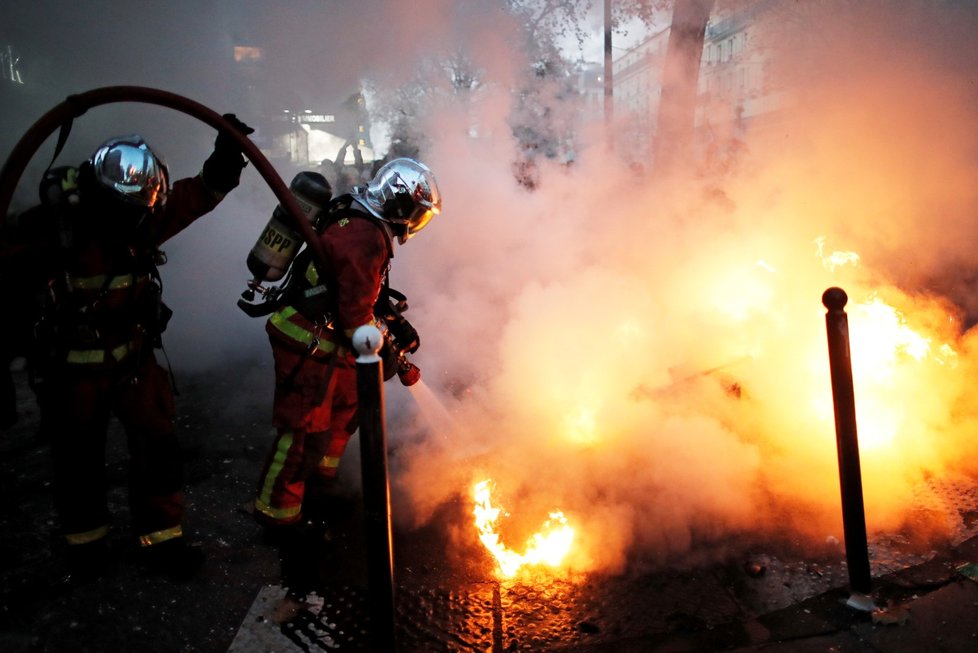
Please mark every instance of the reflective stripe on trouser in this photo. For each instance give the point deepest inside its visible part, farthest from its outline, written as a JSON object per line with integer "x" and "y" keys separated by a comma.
{"x": 294, "y": 459}
{"x": 80, "y": 405}
{"x": 328, "y": 466}
{"x": 88, "y": 537}
{"x": 279, "y": 492}
{"x": 158, "y": 537}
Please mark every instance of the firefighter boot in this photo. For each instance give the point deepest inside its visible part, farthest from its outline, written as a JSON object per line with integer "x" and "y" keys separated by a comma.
{"x": 321, "y": 508}
{"x": 318, "y": 503}
{"x": 83, "y": 563}
{"x": 175, "y": 558}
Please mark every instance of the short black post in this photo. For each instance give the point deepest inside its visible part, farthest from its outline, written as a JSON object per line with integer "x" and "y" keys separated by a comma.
{"x": 376, "y": 488}
{"x": 850, "y": 476}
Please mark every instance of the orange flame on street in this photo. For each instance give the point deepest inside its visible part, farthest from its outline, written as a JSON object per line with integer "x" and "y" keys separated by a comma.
{"x": 548, "y": 546}
{"x": 903, "y": 366}
{"x": 884, "y": 348}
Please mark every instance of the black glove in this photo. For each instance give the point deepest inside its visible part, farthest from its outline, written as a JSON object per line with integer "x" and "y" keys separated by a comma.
{"x": 222, "y": 169}
{"x": 389, "y": 357}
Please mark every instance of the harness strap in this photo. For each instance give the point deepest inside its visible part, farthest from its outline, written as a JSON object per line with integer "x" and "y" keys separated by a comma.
{"x": 62, "y": 139}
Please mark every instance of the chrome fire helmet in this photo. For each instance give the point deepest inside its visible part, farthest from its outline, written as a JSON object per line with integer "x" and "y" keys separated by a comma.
{"x": 128, "y": 166}
{"x": 404, "y": 194}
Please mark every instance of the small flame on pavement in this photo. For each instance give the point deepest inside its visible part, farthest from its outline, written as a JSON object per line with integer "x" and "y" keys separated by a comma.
{"x": 548, "y": 546}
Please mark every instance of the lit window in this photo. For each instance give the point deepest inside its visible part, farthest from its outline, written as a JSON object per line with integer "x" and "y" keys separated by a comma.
{"x": 244, "y": 53}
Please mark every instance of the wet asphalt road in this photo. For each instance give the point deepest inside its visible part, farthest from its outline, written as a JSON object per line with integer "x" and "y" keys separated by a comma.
{"x": 310, "y": 593}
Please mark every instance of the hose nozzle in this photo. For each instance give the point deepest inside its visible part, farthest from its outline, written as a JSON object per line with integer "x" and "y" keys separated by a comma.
{"x": 408, "y": 373}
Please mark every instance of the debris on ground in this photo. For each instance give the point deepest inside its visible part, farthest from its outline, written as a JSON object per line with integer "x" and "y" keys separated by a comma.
{"x": 754, "y": 569}
{"x": 969, "y": 570}
{"x": 893, "y": 614}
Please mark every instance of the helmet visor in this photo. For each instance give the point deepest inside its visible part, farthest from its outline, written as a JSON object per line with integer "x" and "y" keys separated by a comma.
{"x": 421, "y": 194}
{"x": 419, "y": 222}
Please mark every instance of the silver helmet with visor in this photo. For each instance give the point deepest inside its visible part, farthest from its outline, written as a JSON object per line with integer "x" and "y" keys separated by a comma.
{"x": 128, "y": 166}
{"x": 404, "y": 194}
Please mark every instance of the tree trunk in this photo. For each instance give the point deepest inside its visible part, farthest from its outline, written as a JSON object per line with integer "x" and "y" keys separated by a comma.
{"x": 609, "y": 84}
{"x": 677, "y": 107}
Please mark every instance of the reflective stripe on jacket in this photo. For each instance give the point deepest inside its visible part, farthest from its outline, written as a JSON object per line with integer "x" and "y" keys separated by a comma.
{"x": 288, "y": 325}
{"x": 101, "y": 303}
{"x": 104, "y": 327}
{"x": 357, "y": 254}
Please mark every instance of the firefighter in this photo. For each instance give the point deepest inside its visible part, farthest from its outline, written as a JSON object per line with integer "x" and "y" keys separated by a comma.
{"x": 315, "y": 400}
{"x": 94, "y": 241}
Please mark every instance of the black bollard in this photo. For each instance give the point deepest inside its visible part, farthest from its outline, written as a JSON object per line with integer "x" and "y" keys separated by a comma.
{"x": 850, "y": 476}
{"x": 376, "y": 488}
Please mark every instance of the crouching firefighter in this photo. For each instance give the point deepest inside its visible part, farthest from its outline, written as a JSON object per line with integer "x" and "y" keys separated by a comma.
{"x": 321, "y": 305}
{"x": 95, "y": 240}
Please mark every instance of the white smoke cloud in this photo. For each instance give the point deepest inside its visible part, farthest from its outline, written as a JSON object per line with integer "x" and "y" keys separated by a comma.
{"x": 643, "y": 356}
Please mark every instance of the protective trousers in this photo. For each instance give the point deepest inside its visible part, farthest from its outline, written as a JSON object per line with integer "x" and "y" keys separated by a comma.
{"x": 314, "y": 414}
{"x": 82, "y": 403}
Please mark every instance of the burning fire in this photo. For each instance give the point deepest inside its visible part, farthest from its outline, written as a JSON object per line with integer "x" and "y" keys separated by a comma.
{"x": 548, "y": 546}
{"x": 885, "y": 350}
{"x": 686, "y": 421}
{"x": 836, "y": 259}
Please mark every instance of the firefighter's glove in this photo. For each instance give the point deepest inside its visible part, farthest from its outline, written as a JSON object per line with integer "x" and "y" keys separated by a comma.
{"x": 222, "y": 169}
{"x": 389, "y": 358}
{"x": 405, "y": 336}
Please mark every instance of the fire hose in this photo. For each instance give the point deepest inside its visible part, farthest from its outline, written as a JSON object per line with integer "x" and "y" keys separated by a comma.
{"x": 62, "y": 115}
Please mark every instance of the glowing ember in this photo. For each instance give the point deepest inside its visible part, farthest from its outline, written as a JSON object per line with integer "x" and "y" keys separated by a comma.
{"x": 547, "y": 547}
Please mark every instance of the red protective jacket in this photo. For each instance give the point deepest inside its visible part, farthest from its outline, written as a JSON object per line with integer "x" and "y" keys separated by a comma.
{"x": 358, "y": 252}
{"x": 101, "y": 280}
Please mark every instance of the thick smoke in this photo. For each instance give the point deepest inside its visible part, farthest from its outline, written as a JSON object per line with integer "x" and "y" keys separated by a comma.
{"x": 648, "y": 357}
{"x": 651, "y": 358}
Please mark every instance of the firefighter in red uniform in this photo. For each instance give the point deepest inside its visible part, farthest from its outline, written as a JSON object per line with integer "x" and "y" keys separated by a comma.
{"x": 94, "y": 242}
{"x": 315, "y": 403}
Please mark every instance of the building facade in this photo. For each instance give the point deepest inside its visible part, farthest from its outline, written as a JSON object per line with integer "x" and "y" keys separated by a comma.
{"x": 735, "y": 90}
{"x": 637, "y": 92}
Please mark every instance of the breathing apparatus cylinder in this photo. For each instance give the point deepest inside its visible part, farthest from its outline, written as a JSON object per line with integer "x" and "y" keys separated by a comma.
{"x": 279, "y": 242}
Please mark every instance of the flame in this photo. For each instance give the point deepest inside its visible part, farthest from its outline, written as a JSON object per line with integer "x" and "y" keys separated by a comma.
{"x": 836, "y": 259}
{"x": 885, "y": 351}
{"x": 732, "y": 387}
{"x": 891, "y": 337}
{"x": 884, "y": 348}
{"x": 548, "y": 546}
